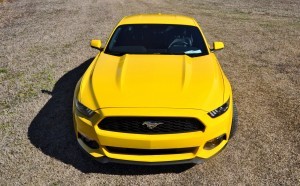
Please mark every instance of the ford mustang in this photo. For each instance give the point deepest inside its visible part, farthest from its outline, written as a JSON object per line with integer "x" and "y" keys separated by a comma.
{"x": 155, "y": 94}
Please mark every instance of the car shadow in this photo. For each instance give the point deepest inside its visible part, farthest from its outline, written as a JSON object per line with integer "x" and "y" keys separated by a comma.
{"x": 52, "y": 132}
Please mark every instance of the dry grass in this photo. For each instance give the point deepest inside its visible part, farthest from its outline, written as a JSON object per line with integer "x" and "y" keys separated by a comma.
{"x": 44, "y": 46}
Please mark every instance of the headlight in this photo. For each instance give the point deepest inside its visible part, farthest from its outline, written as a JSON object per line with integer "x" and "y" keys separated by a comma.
{"x": 83, "y": 109}
{"x": 219, "y": 111}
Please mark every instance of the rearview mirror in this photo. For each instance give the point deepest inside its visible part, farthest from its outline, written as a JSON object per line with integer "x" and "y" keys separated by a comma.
{"x": 96, "y": 44}
{"x": 218, "y": 45}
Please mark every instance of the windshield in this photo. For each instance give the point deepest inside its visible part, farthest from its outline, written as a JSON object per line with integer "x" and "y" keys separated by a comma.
{"x": 157, "y": 39}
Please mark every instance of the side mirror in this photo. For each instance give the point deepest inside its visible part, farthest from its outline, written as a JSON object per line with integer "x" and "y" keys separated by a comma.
{"x": 96, "y": 44}
{"x": 218, "y": 45}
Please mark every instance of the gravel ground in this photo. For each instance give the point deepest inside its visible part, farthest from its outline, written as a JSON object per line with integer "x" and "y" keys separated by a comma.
{"x": 45, "y": 49}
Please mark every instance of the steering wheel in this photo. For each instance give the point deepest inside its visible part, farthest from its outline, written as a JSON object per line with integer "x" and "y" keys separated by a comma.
{"x": 179, "y": 42}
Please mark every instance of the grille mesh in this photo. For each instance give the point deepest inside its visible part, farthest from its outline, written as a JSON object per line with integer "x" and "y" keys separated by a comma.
{"x": 130, "y": 151}
{"x": 146, "y": 125}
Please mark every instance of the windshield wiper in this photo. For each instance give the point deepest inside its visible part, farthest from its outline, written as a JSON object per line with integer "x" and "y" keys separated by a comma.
{"x": 177, "y": 53}
{"x": 156, "y": 53}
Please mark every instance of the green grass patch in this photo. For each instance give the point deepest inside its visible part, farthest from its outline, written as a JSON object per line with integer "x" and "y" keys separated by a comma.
{"x": 3, "y": 71}
{"x": 3, "y": 126}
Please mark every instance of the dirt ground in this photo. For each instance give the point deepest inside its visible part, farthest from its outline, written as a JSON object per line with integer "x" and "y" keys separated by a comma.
{"x": 45, "y": 49}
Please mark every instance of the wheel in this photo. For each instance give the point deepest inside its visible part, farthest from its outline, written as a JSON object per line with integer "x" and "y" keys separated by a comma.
{"x": 234, "y": 122}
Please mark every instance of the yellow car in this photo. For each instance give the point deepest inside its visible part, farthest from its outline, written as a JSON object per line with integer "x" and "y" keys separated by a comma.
{"x": 156, "y": 94}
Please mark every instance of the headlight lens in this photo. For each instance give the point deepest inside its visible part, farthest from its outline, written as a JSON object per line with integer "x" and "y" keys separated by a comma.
{"x": 83, "y": 109}
{"x": 219, "y": 111}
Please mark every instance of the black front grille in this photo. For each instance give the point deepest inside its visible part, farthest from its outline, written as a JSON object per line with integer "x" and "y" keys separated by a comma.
{"x": 151, "y": 125}
{"x": 132, "y": 151}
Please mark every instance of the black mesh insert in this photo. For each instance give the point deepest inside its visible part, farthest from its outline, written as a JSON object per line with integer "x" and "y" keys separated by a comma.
{"x": 151, "y": 125}
{"x": 131, "y": 151}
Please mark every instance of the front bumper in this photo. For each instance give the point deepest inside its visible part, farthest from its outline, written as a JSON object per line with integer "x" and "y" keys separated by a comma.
{"x": 105, "y": 159}
{"x": 213, "y": 128}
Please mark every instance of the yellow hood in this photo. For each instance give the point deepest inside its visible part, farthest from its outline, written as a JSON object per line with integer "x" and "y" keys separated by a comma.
{"x": 158, "y": 81}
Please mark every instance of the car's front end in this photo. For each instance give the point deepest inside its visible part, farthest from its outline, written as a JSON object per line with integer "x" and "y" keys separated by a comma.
{"x": 123, "y": 134}
{"x": 153, "y": 108}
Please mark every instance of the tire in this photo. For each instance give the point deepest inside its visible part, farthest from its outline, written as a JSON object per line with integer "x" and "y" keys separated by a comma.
{"x": 234, "y": 122}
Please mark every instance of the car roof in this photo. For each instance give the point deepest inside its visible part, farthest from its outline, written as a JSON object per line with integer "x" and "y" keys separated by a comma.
{"x": 158, "y": 19}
